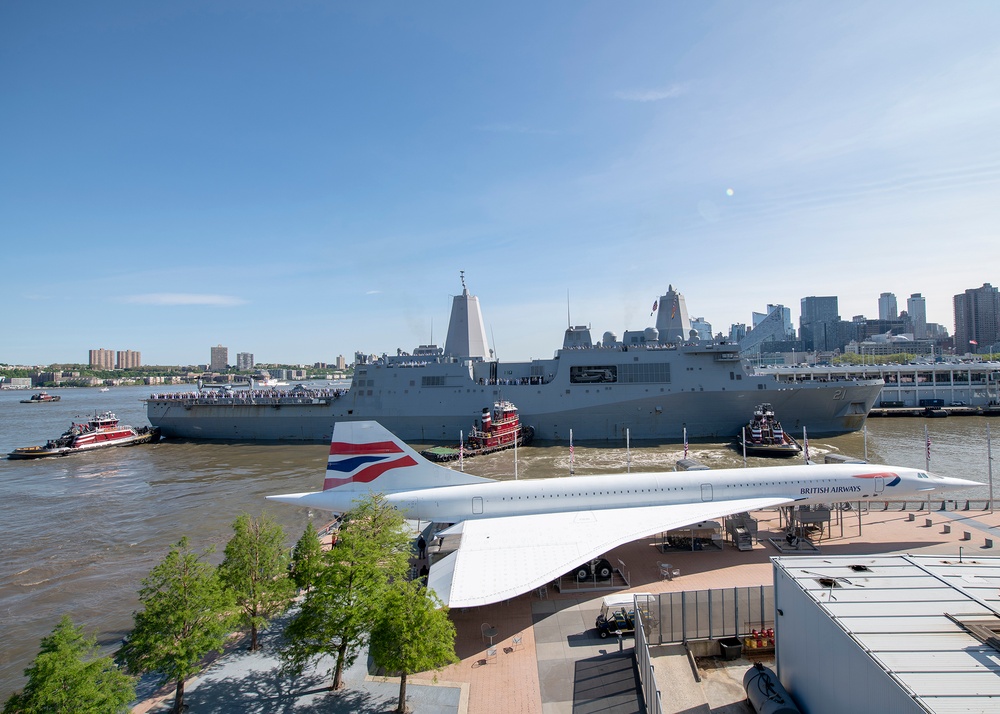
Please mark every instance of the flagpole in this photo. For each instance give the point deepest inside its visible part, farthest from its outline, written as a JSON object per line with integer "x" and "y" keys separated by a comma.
{"x": 989, "y": 463}
{"x": 805, "y": 445}
{"x": 518, "y": 436}
{"x": 743, "y": 434}
{"x": 570, "y": 452}
{"x": 685, "y": 442}
{"x": 865, "y": 431}
{"x": 628, "y": 451}
{"x": 461, "y": 451}
{"x": 927, "y": 461}
{"x": 927, "y": 451}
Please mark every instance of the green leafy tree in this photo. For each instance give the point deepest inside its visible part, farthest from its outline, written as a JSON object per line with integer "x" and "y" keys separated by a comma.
{"x": 412, "y": 635}
{"x": 255, "y": 570}
{"x": 68, "y": 675}
{"x": 307, "y": 558}
{"x": 346, "y": 599}
{"x": 187, "y": 614}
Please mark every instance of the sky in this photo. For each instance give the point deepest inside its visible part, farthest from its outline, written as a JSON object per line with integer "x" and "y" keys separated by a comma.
{"x": 302, "y": 180}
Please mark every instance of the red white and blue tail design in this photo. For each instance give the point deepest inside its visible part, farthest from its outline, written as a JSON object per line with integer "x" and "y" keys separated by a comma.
{"x": 367, "y": 457}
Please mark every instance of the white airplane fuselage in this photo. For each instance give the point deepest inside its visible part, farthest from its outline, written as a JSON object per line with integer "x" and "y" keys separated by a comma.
{"x": 804, "y": 484}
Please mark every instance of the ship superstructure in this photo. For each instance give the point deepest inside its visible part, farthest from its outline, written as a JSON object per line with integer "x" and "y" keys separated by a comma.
{"x": 652, "y": 384}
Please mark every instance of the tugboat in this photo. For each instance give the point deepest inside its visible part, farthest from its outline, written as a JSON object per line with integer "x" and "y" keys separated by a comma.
{"x": 493, "y": 431}
{"x": 100, "y": 432}
{"x": 41, "y": 398}
{"x": 763, "y": 436}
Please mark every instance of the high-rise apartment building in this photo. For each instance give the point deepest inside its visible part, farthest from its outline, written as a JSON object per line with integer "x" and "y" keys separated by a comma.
{"x": 102, "y": 359}
{"x": 887, "y": 309}
{"x": 127, "y": 359}
{"x": 341, "y": 362}
{"x": 819, "y": 322}
{"x": 977, "y": 319}
{"x": 220, "y": 359}
{"x": 244, "y": 360}
{"x": 916, "y": 310}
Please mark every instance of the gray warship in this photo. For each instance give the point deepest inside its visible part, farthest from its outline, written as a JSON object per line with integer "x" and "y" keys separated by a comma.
{"x": 658, "y": 384}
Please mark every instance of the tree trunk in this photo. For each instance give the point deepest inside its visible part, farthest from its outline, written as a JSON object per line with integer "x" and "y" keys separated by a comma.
{"x": 401, "y": 707}
{"x": 179, "y": 697}
{"x": 338, "y": 673}
{"x": 253, "y": 636}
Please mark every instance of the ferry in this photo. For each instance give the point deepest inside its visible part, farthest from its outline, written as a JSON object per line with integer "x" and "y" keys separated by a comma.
{"x": 650, "y": 384}
{"x": 100, "y": 432}
{"x": 41, "y": 398}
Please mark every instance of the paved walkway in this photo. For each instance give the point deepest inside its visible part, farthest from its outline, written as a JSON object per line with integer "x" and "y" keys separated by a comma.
{"x": 561, "y": 666}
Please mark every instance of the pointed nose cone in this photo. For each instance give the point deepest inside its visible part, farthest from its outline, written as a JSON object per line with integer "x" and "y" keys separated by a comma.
{"x": 951, "y": 482}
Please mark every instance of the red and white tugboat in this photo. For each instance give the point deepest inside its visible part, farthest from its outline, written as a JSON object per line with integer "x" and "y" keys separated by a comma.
{"x": 763, "y": 436}
{"x": 495, "y": 430}
{"x": 41, "y": 398}
{"x": 100, "y": 432}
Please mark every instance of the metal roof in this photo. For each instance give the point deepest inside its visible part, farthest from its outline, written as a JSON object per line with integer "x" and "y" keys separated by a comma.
{"x": 897, "y": 607}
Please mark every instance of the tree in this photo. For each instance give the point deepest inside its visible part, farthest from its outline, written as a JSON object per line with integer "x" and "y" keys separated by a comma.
{"x": 412, "y": 635}
{"x": 307, "y": 558}
{"x": 343, "y": 606}
{"x": 187, "y": 614}
{"x": 69, "y": 676}
{"x": 255, "y": 570}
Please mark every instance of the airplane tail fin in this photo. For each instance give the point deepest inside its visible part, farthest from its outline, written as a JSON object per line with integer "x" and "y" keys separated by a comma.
{"x": 364, "y": 455}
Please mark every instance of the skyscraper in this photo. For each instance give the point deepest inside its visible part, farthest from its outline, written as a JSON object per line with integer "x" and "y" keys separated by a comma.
{"x": 220, "y": 359}
{"x": 916, "y": 308}
{"x": 977, "y": 319}
{"x": 244, "y": 360}
{"x": 102, "y": 359}
{"x": 887, "y": 309}
{"x": 128, "y": 359}
{"x": 818, "y": 322}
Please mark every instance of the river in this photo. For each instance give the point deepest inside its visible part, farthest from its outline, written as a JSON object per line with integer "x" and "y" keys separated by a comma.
{"x": 81, "y": 532}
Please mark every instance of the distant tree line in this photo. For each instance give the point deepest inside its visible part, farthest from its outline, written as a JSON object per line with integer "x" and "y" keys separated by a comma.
{"x": 344, "y": 599}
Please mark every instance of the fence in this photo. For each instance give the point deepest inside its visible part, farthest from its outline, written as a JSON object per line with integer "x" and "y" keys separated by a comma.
{"x": 680, "y": 617}
{"x": 705, "y": 614}
{"x": 645, "y": 667}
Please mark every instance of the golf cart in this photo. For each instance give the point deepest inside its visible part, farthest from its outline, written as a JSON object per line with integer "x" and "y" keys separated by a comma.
{"x": 617, "y": 615}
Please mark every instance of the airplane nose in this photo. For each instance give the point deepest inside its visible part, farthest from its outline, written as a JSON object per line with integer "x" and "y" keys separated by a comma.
{"x": 953, "y": 482}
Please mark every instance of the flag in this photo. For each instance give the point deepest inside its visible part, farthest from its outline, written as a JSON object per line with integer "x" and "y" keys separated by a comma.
{"x": 656, "y": 304}
{"x": 928, "y": 447}
{"x": 973, "y": 342}
{"x": 685, "y": 442}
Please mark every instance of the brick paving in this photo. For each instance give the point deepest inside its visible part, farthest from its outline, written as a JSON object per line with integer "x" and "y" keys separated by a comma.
{"x": 537, "y": 676}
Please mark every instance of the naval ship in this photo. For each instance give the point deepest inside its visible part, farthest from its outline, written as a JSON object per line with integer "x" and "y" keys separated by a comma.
{"x": 661, "y": 383}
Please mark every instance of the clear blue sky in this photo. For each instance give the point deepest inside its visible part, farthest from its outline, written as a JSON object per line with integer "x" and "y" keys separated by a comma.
{"x": 306, "y": 179}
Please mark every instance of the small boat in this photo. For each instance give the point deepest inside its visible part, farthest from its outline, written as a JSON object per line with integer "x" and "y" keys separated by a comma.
{"x": 100, "y": 432}
{"x": 494, "y": 431}
{"x": 763, "y": 436}
{"x": 105, "y": 389}
{"x": 41, "y": 398}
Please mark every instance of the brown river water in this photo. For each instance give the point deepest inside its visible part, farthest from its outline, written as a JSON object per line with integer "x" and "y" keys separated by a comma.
{"x": 80, "y": 533}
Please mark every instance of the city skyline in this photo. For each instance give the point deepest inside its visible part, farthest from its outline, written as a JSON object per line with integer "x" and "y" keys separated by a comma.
{"x": 305, "y": 181}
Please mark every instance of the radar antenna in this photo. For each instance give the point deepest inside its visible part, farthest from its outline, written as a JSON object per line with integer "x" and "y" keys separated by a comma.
{"x": 461, "y": 274}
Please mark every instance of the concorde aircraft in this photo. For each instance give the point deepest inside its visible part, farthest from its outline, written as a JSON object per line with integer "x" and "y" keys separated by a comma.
{"x": 519, "y": 535}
